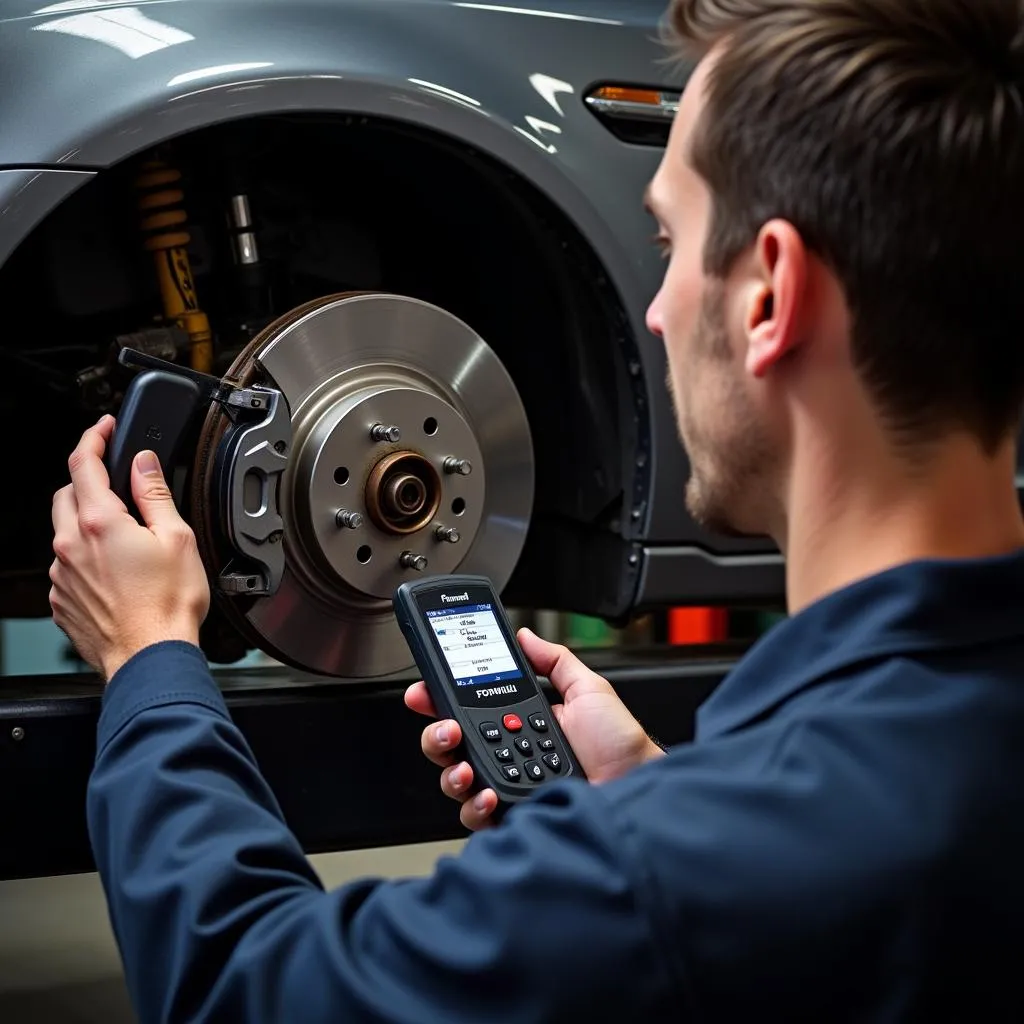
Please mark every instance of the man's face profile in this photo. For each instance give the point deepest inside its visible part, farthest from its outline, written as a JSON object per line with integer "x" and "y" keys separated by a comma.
{"x": 701, "y": 326}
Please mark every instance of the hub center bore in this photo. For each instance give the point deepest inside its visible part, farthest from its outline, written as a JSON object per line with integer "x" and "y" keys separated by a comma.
{"x": 403, "y": 493}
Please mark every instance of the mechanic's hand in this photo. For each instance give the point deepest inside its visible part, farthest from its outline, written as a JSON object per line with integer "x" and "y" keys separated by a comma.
{"x": 118, "y": 586}
{"x": 605, "y": 737}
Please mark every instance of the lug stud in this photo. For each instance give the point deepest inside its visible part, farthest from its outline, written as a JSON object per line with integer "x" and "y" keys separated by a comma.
{"x": 382, "y": 432}
{"x": 348, "y": 520}
{"x": 447, "y": 533}
{"x": 410, "y": 560}
{"x": 461, "y": 467}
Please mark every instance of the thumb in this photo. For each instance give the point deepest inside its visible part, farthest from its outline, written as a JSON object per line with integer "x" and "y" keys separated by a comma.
{"x": 568, "y": 675}
{"x": 150, "y": 491}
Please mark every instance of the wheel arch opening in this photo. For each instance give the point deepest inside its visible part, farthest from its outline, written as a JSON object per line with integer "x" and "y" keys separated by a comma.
{"x": 345, "y": 203}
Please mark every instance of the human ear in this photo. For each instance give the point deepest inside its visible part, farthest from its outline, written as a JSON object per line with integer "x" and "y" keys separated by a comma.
{"x": 773, "y": 313}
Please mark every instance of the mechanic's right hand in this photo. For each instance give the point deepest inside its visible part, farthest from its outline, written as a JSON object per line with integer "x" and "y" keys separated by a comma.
{"x": 119, "y": 586}
{"x": 606, "y": 739}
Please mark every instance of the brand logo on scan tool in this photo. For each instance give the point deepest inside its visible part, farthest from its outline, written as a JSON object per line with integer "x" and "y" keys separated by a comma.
{"x": 495, "y": 691}
{"x": 448, "y": 599}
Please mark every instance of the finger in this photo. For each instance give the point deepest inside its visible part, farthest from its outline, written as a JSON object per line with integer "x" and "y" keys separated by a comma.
{"x": 438, "y": 741}
{"x": 476, "y": 813}
{"x": 457, "y": 781}
{"x": 417, "y": 698}
{"x": 560, "y": 665}
{"x": 64, "y": 513}
{"x": 88, "y": 474}
{"x": 152, "y": 495}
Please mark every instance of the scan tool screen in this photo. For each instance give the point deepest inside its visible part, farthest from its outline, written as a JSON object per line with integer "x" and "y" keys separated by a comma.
{"x": 473, "y": 645}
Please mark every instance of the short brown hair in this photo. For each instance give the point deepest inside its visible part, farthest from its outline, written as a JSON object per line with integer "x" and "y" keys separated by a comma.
{"x": 890, "y": 133}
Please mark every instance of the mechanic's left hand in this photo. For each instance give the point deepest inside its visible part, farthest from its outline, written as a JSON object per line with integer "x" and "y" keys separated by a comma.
{"x": 118, "y": 586}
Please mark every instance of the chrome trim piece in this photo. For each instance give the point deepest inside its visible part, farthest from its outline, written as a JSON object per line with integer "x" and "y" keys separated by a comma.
{"x": 666, "y": 110}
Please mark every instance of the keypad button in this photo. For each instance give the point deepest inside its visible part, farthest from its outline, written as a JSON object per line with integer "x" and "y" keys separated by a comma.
{"x": 553, "y": 761}
{"x": 512, "y": 772}
{"x": 503, "y": 753}
{"x": 523, "y": 745}
{"x": 534, "y": 772}
{"x": 539, "y": 722}
{"x": 513, "y": 723}
{"x": 546, "y": 744}
{"x": 490, "y": 731}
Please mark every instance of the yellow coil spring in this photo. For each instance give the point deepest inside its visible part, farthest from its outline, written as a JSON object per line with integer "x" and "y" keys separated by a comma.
{"x": 164, "y": 223}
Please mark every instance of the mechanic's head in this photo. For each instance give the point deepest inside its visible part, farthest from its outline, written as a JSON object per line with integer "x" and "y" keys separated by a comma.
{"x": 842, "y": 208}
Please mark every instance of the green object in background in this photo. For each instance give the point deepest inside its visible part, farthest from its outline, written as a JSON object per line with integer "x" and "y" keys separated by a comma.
{"x": 769, "y": 620}
{"x": 33, "y": 647}
{"x": 584, "y": 631}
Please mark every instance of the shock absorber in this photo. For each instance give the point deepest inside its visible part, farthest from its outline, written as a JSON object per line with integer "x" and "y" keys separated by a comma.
{"x": 164, "y": 224}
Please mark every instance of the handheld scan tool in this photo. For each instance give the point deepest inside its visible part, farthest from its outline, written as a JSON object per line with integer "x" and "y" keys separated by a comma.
{"x": 477, "y": 674}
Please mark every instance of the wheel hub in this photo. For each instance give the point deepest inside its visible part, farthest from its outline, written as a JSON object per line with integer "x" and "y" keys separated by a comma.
{"x": 361, "y": 504}
{"x": 410, "y": 453}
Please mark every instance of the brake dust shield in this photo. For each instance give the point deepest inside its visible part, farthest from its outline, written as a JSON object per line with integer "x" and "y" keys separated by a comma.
{"x": 366, "y": 506}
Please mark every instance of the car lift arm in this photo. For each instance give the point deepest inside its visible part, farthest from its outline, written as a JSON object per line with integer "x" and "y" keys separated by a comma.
{"x": 343, "y": 759}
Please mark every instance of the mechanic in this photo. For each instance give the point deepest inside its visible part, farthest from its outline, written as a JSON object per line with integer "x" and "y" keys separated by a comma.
{"x": 843, "y": 314}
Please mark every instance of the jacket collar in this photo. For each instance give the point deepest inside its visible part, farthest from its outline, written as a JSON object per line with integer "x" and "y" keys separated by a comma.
{"x": 917, "y": 607}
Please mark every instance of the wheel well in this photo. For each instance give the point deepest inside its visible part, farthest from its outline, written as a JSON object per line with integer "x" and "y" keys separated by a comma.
{"x": 340, "y": 203}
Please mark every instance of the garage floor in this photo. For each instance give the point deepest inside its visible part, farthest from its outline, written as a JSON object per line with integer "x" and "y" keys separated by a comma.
{"x": 58, "y": 961}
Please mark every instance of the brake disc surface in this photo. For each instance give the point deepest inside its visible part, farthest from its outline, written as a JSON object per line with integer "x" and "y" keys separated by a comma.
{"x": 411, "y": 454}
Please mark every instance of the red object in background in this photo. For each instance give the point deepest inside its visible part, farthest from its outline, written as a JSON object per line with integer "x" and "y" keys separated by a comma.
{"x": 698, "y": 625}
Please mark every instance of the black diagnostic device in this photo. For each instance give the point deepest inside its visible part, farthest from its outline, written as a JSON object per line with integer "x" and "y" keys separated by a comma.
{"x": 477, "y": 674}
{"x": 154, "y": 414}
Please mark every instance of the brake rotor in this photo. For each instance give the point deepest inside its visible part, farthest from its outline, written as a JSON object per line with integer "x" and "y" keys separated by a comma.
{"x": 411, "y": 454}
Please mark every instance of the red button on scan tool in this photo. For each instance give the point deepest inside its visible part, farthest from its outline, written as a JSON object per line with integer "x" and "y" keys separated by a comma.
{"x": 513, "y": 723}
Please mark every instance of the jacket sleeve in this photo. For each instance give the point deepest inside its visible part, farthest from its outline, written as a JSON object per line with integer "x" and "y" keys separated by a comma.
{"x": 219, "y": 916}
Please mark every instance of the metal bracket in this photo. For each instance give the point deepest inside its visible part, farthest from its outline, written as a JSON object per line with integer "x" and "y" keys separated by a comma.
{"x": 248, "y": 398}
{"x": 212, "y": 388}
{"x": 239, "y": 583}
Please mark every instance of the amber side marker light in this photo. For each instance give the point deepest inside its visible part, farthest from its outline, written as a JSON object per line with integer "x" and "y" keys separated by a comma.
{"x": 635, "y": 114}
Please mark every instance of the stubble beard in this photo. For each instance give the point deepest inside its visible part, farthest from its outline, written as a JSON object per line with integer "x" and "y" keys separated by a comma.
{"x": 721, "y": 492}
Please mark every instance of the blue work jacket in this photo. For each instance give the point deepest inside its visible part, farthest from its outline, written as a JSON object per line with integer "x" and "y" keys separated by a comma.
{"x": 843, "y": 841}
